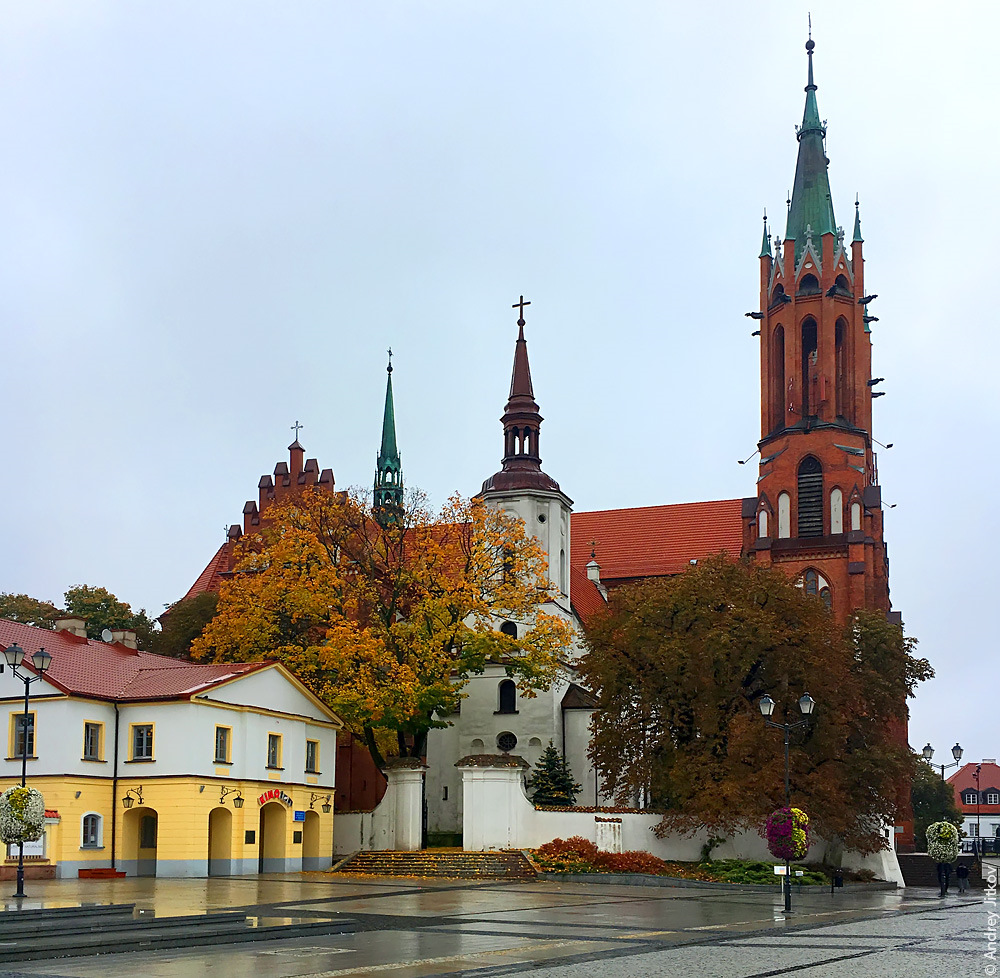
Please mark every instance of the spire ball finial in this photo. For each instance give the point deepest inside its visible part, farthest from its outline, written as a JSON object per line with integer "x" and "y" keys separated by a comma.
{"x": 810, "y": 44}
{"x": 389, "y": 368}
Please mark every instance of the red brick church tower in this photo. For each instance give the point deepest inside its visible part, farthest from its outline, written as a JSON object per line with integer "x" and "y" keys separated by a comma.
{"x": 818, "y": 512}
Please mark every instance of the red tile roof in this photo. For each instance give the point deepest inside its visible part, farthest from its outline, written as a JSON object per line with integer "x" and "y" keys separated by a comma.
{"x": 652, "y": 541}
{"x": 212, "y": 576}
{"x": 111, "y": 671}
{"x": 586, "y": 599}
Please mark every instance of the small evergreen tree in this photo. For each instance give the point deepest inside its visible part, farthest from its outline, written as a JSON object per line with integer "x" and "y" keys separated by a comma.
{"x": 551, "y": 783}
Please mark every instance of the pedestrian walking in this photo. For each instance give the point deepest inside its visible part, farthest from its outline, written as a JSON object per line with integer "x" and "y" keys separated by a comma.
{"x": 962, "y": 875}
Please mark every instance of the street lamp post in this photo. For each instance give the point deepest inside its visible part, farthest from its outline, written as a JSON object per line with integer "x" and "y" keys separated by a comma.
{"x": 40, "y": 660}
{"x": 956, "y": 752}
{"x": 806, "y": 705}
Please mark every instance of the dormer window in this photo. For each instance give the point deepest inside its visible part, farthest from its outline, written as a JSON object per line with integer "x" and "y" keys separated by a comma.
{"x": 969, "y": 798}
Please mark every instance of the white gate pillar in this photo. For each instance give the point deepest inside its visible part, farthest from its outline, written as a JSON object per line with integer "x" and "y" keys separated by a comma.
{"x": 405, "y": 793}
{"x": 493, "y": 801}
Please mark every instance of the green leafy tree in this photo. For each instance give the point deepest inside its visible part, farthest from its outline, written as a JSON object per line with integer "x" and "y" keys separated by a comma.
{"x": 551, "y": 782}
{"x": 933, "y": 801}
{"x": 182, "y": 623}
{"x": 28, "y": 610}
{"x": 101, "y": 609}
{"x": 679, "y": 666}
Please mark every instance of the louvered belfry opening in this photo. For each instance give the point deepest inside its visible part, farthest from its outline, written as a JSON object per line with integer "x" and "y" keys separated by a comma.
{"x": 810, "y": 497}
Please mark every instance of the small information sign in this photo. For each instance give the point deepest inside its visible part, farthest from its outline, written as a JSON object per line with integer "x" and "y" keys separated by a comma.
{"x": 299, "y": 817}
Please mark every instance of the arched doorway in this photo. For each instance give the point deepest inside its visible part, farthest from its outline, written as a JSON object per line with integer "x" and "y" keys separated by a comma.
{"x": 140, "y": 827}
{"x": 220, "y": 842}
{"x": 310, "y": 843}
{"x": 271, "y": 858}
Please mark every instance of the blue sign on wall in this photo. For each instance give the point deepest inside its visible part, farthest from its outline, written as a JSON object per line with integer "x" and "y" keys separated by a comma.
{"x": 299, "y": 817}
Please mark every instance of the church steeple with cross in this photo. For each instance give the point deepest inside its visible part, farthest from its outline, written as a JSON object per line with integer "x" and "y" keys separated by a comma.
{"x": 388, "y": 489}
{"x": 521, "y": 486}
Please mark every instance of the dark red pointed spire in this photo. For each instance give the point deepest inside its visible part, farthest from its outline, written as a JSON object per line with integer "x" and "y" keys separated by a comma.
{"x": 522, "y": 468}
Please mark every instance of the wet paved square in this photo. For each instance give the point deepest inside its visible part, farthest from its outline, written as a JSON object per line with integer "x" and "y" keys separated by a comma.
{"x": 409, "y": 928}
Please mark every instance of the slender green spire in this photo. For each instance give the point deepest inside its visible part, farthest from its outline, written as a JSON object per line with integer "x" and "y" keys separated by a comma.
{"x": 388, "y": 468}
{"x": 857, "y": 222}
{"x": 811, "y": 203}
{"x": 765, "y": 245}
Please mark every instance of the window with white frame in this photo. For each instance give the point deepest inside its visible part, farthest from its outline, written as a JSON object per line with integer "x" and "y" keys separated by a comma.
{"x": 969, "y": 798}
{"x": 90, "y": 831}
{"x": 993, "y": 797}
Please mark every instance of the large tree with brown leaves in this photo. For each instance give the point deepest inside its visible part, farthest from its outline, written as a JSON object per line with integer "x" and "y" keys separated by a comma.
{"x": 679, "y": 666}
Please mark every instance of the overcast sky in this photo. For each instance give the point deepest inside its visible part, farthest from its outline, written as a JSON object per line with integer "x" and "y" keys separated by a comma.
{"x": 216, "y": 216}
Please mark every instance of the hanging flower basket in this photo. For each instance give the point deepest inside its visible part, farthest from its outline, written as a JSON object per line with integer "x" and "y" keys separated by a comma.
{"x": 942, "y": 842}
{"x": 787, "y": 831}
{"x": 22, "y": 815}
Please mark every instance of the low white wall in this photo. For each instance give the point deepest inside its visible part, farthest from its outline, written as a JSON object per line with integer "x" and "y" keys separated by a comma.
{"x": 395, "y": 824}
{"x": 499, "y": 815}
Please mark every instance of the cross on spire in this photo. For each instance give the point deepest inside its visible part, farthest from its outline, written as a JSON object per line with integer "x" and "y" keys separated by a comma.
{"x": 296, "y": 428}
{"x": 389, "y": 368}
{"x": 519, "y": 305}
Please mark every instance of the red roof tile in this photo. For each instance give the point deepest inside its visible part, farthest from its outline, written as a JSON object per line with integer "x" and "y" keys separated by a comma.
{"x": 111, "y": 671}
{"x": 652, "y": 541}
{"x": 586, "y": 599}
{"x": 212, "y": 576}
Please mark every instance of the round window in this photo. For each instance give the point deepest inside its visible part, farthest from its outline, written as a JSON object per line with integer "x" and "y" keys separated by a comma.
{"x": 541, "y": 517}
{"x": 506, "y": 742}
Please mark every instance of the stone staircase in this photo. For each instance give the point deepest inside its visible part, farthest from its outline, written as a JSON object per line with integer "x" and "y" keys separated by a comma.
{"x": 920, "y": 870}
{"x": 451, "y": 863}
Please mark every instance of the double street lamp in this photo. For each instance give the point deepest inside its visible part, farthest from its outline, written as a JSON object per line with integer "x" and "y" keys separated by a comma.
{"x": 40, "y": 660}
{"x": 956, "y": 752}
{"x": 806, "y": 705}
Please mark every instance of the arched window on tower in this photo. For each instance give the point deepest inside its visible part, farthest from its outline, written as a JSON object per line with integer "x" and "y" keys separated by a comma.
{"x": 809, "y": 285}
{"x": 778, "y": 378}
{"x": 817, "y": 585}
{"x": 810, "y": 371}
{"x": 507, "y": 697}
{"x": 784, "y": 516}
{"x": 810, "y": 516}
{"x": 778, "y": 295}
{"x": 842, "y": 286}
{"x": 762, "y": 523}
{"x": 855, "y": 516}
{"x": 563, "y": 581}
{"x": 509, "y": 628}
{"x": 840, "y": 383}
{"x": 836, "y": 511}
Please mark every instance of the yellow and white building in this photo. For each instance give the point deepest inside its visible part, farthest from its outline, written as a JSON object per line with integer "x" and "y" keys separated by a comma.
{"x": 156, "y": 767}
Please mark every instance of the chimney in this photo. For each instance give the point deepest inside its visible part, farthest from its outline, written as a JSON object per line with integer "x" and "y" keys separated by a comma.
{"x": 311, "y": 472}
{"x": 281, "y": 476}
{"x": 126, "y": 637}
{"x": 249, "y": 516}
{"x": 72, "y": 624}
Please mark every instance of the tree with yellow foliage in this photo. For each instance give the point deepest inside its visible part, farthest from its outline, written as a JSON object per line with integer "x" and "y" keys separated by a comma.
{"x": 386, "y": 620}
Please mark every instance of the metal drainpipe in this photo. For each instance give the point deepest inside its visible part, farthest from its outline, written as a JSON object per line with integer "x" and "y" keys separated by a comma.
{"x": 114, "y": 795}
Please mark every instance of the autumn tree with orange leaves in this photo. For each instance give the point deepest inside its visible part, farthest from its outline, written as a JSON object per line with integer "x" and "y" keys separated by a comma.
{"x": 387, "y": 623}
{"x": 679, "y": 666}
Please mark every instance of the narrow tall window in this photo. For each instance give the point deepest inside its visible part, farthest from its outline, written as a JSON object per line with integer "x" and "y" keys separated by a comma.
{"x": 312, "y": 756}
{"x": 90, "y": 835}
{"x": 222, "y": 745}
{"x": 762, "y": 523}
{"x": 142, "y": 742}
{"x": 810, "y": 370}
{"x": 508, "y": 697}
{"x": 810, "y": 518}
{"x": 784, "y": 516}
{"x": 841, "y": 367}
{"x": 274, "y": 750}
{"x": 92, "y": 741}
{"x": 778, "y": 395}
{"x": 836, "y": 511}
{"x": 24, "y": 735}
{"x": 855, "y": 516}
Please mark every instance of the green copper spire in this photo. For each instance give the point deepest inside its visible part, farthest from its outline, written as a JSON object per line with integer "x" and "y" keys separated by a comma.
{"x": 765, "y": 245}
{"x": 857, "y": 222}
{"x": 811, "y": 203}
{"x": 388, "y": 494}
